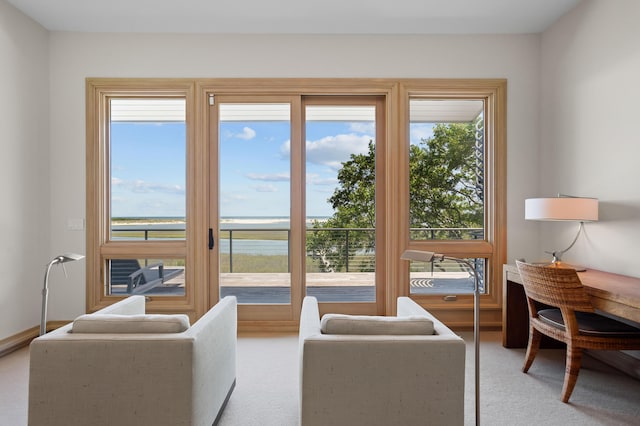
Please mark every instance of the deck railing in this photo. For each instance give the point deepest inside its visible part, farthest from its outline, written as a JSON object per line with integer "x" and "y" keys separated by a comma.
{"x": 347, "y": 248}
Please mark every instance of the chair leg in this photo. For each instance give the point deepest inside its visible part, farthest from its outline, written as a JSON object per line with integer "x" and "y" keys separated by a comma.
{"x": 572, "y": 368}
{"x": 532, "y": 348}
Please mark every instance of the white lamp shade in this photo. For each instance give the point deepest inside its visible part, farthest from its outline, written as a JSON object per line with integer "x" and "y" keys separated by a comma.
{"x": 561, "y": 208}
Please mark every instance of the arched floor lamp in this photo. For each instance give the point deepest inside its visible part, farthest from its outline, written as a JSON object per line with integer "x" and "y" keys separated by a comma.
{"x": 63, "y": 258}
{"x": 428, "y": 256}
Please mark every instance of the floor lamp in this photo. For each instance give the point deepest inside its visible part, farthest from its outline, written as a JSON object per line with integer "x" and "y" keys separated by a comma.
{"x": 63, "y": 258}
{"x": 427, "y": 256}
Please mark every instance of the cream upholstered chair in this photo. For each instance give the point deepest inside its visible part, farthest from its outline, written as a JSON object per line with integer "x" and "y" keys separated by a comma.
{"x": 570, "y": 318}
{"x": 369, "y": 371}
{"x": 120, "y": 366}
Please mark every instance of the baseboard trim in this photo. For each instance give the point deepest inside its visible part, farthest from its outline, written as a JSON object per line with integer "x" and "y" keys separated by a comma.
{"x": 22, "y": 339}
{"x": 619, "y": 360}
{"x": 18, "y": 341}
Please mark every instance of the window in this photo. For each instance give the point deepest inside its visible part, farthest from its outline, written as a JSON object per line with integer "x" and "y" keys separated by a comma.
{"x": 137, "y": 202}
{"x": 341, "y": 195}
{"x": 175, "y": 166}
{"x": 455, "y": 190}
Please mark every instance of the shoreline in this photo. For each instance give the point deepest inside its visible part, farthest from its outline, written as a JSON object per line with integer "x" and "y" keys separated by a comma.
{"x": 257, "y": 220}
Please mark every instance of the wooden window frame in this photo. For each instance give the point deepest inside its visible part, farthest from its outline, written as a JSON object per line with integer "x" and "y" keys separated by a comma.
{"x": 395, "y": 92}
{"x": 459, "y": 312}
{"x": 100, "y": 247}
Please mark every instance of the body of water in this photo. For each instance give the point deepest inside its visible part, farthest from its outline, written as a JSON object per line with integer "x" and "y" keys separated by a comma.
{"x": 263, "y": 222}
{"x": 240, "y": 246}
{"x": 226, "y": 223}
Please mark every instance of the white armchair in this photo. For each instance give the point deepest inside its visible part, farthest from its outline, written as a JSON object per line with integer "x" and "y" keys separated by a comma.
{"x": 364, "y": 378}
{"x": 141, "y": 372}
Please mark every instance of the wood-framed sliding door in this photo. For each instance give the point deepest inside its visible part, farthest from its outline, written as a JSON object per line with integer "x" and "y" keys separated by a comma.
{"x": 255, "y": 212}
{"x": 275, "y": 164}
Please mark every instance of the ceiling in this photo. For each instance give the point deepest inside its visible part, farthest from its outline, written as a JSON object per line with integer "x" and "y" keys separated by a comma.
{"x": 297, "y": 16}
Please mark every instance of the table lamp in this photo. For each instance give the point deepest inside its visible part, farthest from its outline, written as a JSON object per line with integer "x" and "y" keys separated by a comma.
{"x": 427, "y": 256}
{"x": 562, "y": 208}
{"x": 63, "y": 258}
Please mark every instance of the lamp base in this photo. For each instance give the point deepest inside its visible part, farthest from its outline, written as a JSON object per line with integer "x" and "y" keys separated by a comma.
{"x": 559, "y": 264}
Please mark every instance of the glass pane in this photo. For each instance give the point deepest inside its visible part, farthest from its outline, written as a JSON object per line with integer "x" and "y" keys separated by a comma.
{"x": 157, "y": 277}
{"x": 340, "y": 203}
{"x": 147, "y": 142}
{"x": 446, "y": 177}
{"x": 447, "y": 277}
{"x": 255, "y": 202}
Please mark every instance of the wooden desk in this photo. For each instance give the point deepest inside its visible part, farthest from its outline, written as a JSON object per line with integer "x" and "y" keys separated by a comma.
{"x": 612, "y": 293}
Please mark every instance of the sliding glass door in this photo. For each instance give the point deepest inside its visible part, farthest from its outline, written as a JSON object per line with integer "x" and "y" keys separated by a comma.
{"x": 295, "y": 218}
{"x": 341, "y": 183}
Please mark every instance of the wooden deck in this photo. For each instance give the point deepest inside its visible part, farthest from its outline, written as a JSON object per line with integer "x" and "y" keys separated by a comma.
{"x": 327, "y": 287}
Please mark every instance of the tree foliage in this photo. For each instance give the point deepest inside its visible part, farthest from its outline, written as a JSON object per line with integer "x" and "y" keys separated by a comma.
{"x": 444, "y": 193}
{"x": 443, "y": 179}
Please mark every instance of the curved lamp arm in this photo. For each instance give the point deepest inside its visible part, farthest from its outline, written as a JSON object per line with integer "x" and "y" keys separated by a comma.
{"x": 557, "y": 255}
{"x": 62, "y": 259}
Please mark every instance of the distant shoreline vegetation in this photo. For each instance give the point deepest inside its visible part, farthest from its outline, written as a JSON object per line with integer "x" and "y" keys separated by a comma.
{"x": 139, "y": 220}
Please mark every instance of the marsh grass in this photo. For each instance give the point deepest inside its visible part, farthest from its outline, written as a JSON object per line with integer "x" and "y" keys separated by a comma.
{"x": 155, "y": 234}
{"x": 247, "y": 263}
{"x": 254, "y": 263}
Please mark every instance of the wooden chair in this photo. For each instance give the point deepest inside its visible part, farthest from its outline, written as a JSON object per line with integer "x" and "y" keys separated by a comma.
{"x": 568, "y": 317}
{"x": 140, "y": 279}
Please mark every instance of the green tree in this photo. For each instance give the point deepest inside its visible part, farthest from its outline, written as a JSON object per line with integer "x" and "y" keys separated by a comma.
{"x": 445, "y": 181}
{"x": 444, "y": 193}
{"x": 353, "y": 201}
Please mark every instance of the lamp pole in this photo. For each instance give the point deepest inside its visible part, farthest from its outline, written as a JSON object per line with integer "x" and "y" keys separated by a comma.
{"x": 69, "y": 257}
{"x": 426, "y": 256}
{"x": 476, "y": 329}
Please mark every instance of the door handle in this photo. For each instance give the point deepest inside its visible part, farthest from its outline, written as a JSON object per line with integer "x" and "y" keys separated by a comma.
{"x": 211, "y": 240}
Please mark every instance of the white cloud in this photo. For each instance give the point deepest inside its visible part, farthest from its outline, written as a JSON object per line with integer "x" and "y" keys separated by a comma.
{"x": 332, "y": 151}
{"x": 269, "y": 177}
{"x": 368, "y": 128}
{"x": 247, "y": 134}
{"x": 265, "y": 188}
{"x": 143, "y": 187}
{"x": 315, "y": 179}
{"x": 233, "y": 197}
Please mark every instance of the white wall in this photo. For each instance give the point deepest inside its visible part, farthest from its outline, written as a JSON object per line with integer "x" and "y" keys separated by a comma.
{"x": 24, "y": 168}
{"x": 590, "y": 138}
{"x": 77, "y": 56}
{"x": 572, "y": 91}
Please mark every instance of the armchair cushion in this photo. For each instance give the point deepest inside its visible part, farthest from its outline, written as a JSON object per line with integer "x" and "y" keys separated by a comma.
{"x": 375, "y": 325}
{"x": 145, "y": 323}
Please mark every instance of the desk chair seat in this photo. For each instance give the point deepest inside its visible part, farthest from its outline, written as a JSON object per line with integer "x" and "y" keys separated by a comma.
{"x": 568, "y": 316}
{"x": 591, "y": 324}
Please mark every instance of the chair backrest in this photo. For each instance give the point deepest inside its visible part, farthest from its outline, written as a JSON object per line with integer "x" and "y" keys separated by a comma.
{"x": 122, "y": 268}
{"x": 558, "y": 287}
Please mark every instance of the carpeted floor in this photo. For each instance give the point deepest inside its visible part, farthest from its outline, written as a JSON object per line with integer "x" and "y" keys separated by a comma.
{"x": 267, "y": 387}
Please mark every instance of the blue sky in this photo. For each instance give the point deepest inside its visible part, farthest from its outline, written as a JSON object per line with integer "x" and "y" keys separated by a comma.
{"x": 148, "y": 166}
{"x": 148, "y": 169}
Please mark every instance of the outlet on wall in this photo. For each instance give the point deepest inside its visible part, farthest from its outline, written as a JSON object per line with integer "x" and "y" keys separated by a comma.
{"x": 75, "y": 224}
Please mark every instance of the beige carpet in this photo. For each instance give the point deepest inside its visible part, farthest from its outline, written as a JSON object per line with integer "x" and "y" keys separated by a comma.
{"x": 267, "y": 387}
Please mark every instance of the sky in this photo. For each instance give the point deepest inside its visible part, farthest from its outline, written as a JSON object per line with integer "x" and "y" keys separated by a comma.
{"x": 148, "y": 166}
